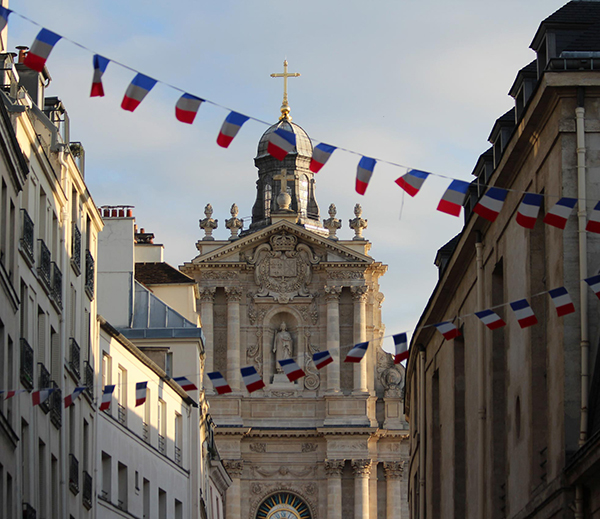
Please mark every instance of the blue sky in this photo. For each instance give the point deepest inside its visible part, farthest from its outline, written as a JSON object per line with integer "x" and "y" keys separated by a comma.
{"x": 418, "y": 83}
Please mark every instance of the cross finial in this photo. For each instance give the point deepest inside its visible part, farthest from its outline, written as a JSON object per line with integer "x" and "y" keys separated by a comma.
{"x": 285, "y": 107}
{"x": 283, "y": 177}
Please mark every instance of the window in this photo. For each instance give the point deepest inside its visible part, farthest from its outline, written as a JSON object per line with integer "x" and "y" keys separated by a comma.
{"x": 268, "y": 198}
{"x": 146, "y": 422}
{"x": 146, "y": 499}
{"x": 122, "y": 394}
{"x": 178, "y": 437}
{"x": 106, "y": 370}
{"x": 162, "y": 425}
{"x": 122, "y": 476}
{"x": 106, "y": 476}
{"x": 178, "y": 509}
{"x": 169, "y": 364}
{"x": 162, "y": 504}
{"x": 303, "y": 195}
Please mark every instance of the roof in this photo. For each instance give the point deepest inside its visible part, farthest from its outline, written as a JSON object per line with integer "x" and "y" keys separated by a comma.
{"x": 588, "y": 41}
{"x": 575, "y": 13}
{"x": 303, "y": 143}
{"x": 160, "y": 274}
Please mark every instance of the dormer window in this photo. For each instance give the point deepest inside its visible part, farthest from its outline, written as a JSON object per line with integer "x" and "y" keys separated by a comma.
{"x": 542, "y": 57}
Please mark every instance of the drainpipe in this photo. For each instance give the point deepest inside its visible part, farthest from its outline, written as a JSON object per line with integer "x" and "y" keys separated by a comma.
{"x": 480, "y": 379}
{"x": 422, "y": 511}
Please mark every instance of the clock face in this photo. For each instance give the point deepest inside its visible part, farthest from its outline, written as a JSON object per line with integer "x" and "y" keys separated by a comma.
{"x": 283, "y": 506}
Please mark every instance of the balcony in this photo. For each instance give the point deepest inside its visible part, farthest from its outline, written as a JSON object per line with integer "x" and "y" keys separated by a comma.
{"x": 162, "y": 445}
{"x": 86, "y": 497}
{"x": 89, "y": 274}
{"x": 28, "y": 511}
{"x": 56, "y": 405}
{"x": 88, "y": 379}
{"x": 178, "y": 455}
{"x": 74, "y": 358}
{"x": 73, "y": 474}
{"x": 26, "y": 364}
{"x": 146, "y": 432}
{"x": 27, "y": 236}
{"x": 56, "y": 287}
{"x": 45, "y": 265}
{"x": 44, "y": 382}
{"x": 76, "y": 249}
{"x": 122, "y": 415}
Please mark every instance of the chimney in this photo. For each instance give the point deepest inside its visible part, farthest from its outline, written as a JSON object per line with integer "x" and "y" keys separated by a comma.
{"x": 22, "y": 52}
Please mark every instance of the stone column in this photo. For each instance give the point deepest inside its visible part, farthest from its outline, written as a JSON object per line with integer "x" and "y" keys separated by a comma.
{"x": 360, "y": 335}
{"x": 333, "y": 470}
{"x": 362, "y": 471}
{"x": 233, "y": 376}
{"x": 233, "y": 496}
{"x": 207, "y": 297}
{"x": 332, "y": 295}
{"x": 393, "y": 475}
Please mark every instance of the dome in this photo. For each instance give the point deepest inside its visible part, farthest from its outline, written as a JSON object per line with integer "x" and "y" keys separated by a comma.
{"x": 303, "y": 144}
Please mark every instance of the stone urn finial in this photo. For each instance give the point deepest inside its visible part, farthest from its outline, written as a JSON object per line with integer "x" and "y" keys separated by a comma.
{"x": 332, "y": 224}
{"x": 358, "y": 224}
{"x": 208, "y": 224}
{"x": 234, "y": 224}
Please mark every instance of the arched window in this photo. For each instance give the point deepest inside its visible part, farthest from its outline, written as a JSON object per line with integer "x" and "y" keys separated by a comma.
{"x": 268, "y": 196}
{"x": 283, "y": 505}
{"x": 303, "y": 195}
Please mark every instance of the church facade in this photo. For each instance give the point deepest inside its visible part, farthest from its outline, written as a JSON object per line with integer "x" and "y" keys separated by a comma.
{"x": 331, "y": 444}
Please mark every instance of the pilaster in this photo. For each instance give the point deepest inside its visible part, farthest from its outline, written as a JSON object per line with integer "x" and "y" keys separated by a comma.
{"x": 333, "y": 470}
{"x": 207, "y": 296}
{"x": 359, "y": 294}
{"x": 362, "y": 471}
{"x": 393, "y": 476}
{"x": 233, "y": 295}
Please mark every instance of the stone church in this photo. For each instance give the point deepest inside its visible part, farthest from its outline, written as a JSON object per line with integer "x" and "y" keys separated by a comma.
{"x": 334, "y": 443}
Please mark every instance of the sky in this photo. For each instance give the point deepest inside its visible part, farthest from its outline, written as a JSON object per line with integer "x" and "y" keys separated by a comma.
{"x": 415, "y": 83}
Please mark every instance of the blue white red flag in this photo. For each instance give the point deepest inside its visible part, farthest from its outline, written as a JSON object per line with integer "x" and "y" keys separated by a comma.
{"x": 593, "y": 224}
{"x": 491, "y": 203}
{"x": 453, "y": 198}
{"x": 40, "y": 396}
{"x": 70, "y": 399}
{"x": 187, "y": 107}
{"x": 559, "y": 214}
{"x": 562, "y": 301}
{"x": 219, "y": 383}
{"x": 136, "y": 91}
{"x": 320, "y": 156}
{"x": 412, "y": 181}
{"x": 12, "y": 392}
{"x": 4, "y": 13}
{"x": 100, "y": 64}
{"x": 401, "y": 345}
{"x": 594, "y": 283}
{"x": 231, "y": 126}
{"x": 40, "y": 49}
{"x": 524, "y": 313}
{"x": 529, "y": 209}
{"x": 322, "y": 358}
{"x": 107, "y": 397}
{"x": 448, "y": 330}
{"x": 357, "y": 352}
{"x": 252, "y": 379}
{"x": 140, "y": 393}
{"x": 281, "y": 142}
{"x": 291, "y": 369}
{"x": 363, "y": 174}
{"x": 491, "y": 319}
{"x": 185, "y": 383}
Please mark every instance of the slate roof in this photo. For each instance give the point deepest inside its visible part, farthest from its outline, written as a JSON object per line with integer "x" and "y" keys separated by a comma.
{"x": 575, "y": 13}
{"x": 588, "y": 41}
{"x": 160, "y": 274}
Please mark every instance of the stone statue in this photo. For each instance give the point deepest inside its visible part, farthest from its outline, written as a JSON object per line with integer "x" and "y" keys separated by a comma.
{"x": 332, "y": 224}
{"x": 208, "y": 224}
{"x": 358, "y": 223}
{"x": 234, "y": 224}
{"x": 282, "y": 346}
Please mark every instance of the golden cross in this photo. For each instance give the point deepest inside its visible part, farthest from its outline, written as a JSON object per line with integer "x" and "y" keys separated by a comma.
{"x": 285, "y": 107}
{"x": 283, "y": 176}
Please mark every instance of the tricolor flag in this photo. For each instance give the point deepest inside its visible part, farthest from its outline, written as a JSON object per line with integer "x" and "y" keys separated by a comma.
{"x": 281, "y": 142}
{"x": 136, "y": 91}
{"x": 448, "y": 330}
{"x": 291, "y": 369}
{"x": 524, "y": 313}
{"x": 412, "y": 181}
{"x": 322, "y": 358}
{"x": 559, "y": 214}
{"x": 185, "y": 384}
{"x": 491, "y": 203}
{"x": 4, "y": 13}
{"x": 357, "y": 352}
{"x": 231, "y": 126}
{"x": 219, "y": 383}
{"x": 40, "y": 49}
{"x": 593, "y": 282}
{"x": 363, "y": 174}
{"x": 491, "y": 319}
{"x": 320, "y": 156}
{"x": 562, "y": 301}
{"x": 100, "y": 65}
{"x": 69, "y": 399}
{"x": 252, "y": 379}
{"x": 40, "y": 396}
{"x": 453, "y": 198}
{"x": 140, "y": 393}
{"x": 187, "y": 107}
{"x": 107, "y": 397}
{"x": 593, "y": 224}
{"x": 401, "y": 344}
{"x": 12, "y": 392}
{"x": 529, "y": 209}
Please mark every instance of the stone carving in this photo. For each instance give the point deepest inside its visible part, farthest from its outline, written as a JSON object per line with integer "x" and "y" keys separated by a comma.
{"x": 379, "y": 298}
{"x": 314, "y": 310}
{"x": 389, "y": 375}
{"x": 345, "y": 274}
{"x": 283, "y": 268}
{"x": 254, "y": 314}
{"x": 309, "y": 447}
{"x": 332, "y": 224}
{"x": 258, "y": 447}
{"x": 207, "y": 294}
{"x": 256, "y": 488}
{"x": 359, "y": 293}
{"x": 334, "y": 468}
{"x": 284, "y": 470}
{"x": 283, "y": 486}
{"x": 310, "y": 489}
{"x": 358, "y": 224}
{"x": 362, "y": 468}
{"x": 283, "y": 394}
{"x": 234, "y": 467}
{"x": 332, "y": 293}
{"x": 312, "y": 380}
{"x": 283, "y": 346}
{"x": 233, "y": 293}
{"x": 208, "y": 224}
{"x": 342, "y": 445}
{"x": 218, "y": 274}
{"x": 254, "y": 352}
{"x": 234, "y": 224}
{"x": 393, "y": 469}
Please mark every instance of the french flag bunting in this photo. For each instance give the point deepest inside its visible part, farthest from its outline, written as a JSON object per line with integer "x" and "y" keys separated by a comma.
{"x": 40, "y": 49}
{"x": 231, "y": 126}
{"x": 524, "y": 313}
{"x": 401, "y": 345}
{"x": 4, "y": 13}
{"x": 219, "y": 383}
{"x": 140, "y": 393}
{"x": 252, "y": 379}
{"x": 491, "y": 203}
{"x": 187, "y": 107}
{"x": 363, "y": 174}
{"x": 562, "y": 301}
{"x": 12, "y": 392}
{"x": 320, "y": 156}
{"x": 322, "y": 358}
{"x": 448, "y": 330}
{"x": 136, "y": 91}
{"x": 281, "y": 142}
{"x": 100, "y": 64}
{"x": 529, "y": 209}
{"x": 453, "y": 198}
{"x": 357, "y": 352}
{"x": 594, "y": 283}
{"x": 291, "y": 369}
{"x": 40, "y": 396}
{"x": 559, "y": 214}
{"x": 70, "y": 399}
{"x": 185, "y": 383}
{"x": 107, "y": 397}
{"x": 491, "y": 319}
{"x": 412, "y": 181}
{"x": 593, "y": 224}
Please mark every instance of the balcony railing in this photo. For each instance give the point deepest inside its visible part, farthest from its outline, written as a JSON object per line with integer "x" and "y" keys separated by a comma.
{"x": 56, "y": 406}
{"x": 73, "y": 474}
{"x": 56, "y": 290}
{"x": 45, "y": 264}
{"x": 88, "y": 379}
{"x": 74, "y": 358}
{"x": 28, "y": 511}
{"x": 162, "y": 446}
{"x": 177, "y": 455}
{"x": 146, "y": 432}
{"x": 76, "y": 249}
{"x": 26, "y": 364}
{"x": 89, "y": 274}
{"x": 44, "y": 382}
{"x": 86, "y": 497}
{"x": 27, "y": 236}
{"x": 122, "y": 415}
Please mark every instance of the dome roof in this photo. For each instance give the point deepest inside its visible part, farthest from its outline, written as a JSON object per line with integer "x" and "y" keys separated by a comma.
{"x": 303, "y": 144}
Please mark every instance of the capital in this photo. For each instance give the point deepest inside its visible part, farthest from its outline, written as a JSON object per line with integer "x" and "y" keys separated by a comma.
{"x": 393, "y": 469}
{"x": 359, "y": 293}
{"x": 362, "y": 468}
{"x": 233, "y": 294}
{"x": 332, "y": 293}
{"x": 334, "y": 468}
{"x": 207, "y": 294}
{"x": 234, "y": 467}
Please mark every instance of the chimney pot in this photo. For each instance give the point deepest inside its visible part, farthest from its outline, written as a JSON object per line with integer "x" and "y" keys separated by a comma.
{"x": 121, "y": 213}
{"x": 114, "y": 213}
{"x": 142, "y": 231}
{"x": 22, "y": 52}
{"x": 129, "y": 213}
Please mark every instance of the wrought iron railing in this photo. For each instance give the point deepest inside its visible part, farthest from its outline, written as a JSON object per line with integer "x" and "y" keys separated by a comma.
{"x": 86, "y": 496}
{"x": 28, "y": 511}
{"x": 89, "y": 274}
{"x": 26, "y": 364}
{"x": 56, "y": 290}
{"x": 162, "y": 445}
{"x": 45, "y": 263}
{"x": 76, "y": 249}
{"x": 56, "y": 405}
{"x": 27, "y": 236}
{"x": 44, "y": 382}
{"x": 177, "y": 455}
{"x": 122, "y": 415}
{"x": 146, "y": 432}
{"x": 88, "y": 379}
{"x": 74, "y": 358}
{"x": 73, "y": 474}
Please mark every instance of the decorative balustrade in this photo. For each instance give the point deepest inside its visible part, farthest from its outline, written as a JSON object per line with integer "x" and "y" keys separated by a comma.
{"x": 56, "y": 406}
{"x": 89, "y": 274}
{"x": 122, "y": 415}
{"x": 76, "y": 249}
{"x": 177, "y": 455}
{"x": 88, "y": 379}
{"x": 86, "y": 497}
{"x": 45, "y": 264}
{"x": 73, "y": 474}
{"x": 162, "y": 445}
{"x": 26, "y": 364}
{"x": 74, "y": 358}
{"x": 27, "y": 236}
{"x": 56, "y": 286}
{"x": 44, "y": 382}
{"x": 146, "y": 432}
{"x": 28, "y": 511}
